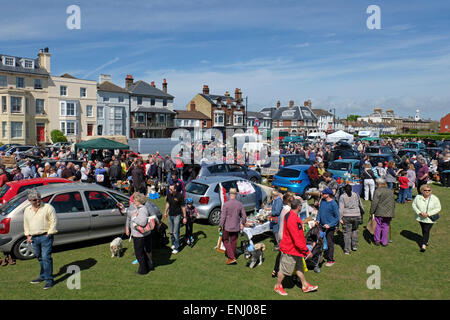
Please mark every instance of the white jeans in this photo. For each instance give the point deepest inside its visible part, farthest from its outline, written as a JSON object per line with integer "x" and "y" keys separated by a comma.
{"x": 369, "y": 185}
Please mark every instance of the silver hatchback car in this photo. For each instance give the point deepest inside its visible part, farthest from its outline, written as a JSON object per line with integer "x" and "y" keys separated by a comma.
{"x": 204, "y": 191}
{"x": 84, "y": 211}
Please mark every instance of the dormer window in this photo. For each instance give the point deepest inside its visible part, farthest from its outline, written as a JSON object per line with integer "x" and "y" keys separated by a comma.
{"x": 9, "y": 61}
{"x": 28, "y": 64}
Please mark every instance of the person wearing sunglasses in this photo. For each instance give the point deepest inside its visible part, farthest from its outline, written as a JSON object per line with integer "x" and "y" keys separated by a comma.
{"x": 39, "y": 222}
{"x": 426, "y": 206}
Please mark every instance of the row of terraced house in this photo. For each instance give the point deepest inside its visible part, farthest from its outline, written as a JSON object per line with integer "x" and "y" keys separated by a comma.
{"x": 34, "y": 102}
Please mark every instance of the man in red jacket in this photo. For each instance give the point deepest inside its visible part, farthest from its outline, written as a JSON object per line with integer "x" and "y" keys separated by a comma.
{"x": 293, "y": 248}
{"x": 313, "y": 174}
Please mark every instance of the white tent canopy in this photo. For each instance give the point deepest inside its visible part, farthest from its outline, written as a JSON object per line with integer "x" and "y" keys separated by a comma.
{"x": 339, "y": 135}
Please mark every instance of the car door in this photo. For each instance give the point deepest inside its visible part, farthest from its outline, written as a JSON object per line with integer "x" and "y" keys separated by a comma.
{"x": 74, "y": 221}
{"x": 106, "y": 218}
{"x": 237, "y": 170}
{"x": 219, "y": 170}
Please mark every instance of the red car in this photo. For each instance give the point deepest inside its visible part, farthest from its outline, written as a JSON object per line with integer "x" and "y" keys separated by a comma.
{"x": 13, "y": 188}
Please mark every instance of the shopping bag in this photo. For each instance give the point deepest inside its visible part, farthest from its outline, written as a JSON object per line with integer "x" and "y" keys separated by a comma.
{"x": 305, "y": 268}
{"x": 371, "y": 224}
{"x": 220, "y": 246}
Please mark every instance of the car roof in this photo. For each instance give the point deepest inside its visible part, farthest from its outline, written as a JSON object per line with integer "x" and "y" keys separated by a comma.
{"x": 346, "y": 160}
{"x": 25, "y": 182}
{"x": 213, "y": 179}
{"x": 299, "y": 167}
{"x": 68, "y": 187}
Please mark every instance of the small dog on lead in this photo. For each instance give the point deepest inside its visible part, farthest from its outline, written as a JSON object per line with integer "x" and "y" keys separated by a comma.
{"x": 116, "y": 247}
{"x": 255, "y": 256}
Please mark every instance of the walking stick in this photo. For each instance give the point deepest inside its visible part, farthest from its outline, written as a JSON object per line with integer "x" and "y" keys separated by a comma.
{"x": 390, "y": 237}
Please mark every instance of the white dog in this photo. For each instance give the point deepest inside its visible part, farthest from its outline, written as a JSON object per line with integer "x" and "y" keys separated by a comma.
{"x": 116, "y": 247}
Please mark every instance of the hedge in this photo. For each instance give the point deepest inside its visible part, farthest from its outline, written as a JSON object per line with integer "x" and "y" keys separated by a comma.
{"x": 420, "y": 136}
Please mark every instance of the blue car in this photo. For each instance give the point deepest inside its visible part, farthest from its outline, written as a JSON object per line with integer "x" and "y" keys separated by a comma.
{"x": 8, "y": 145}
{"x": 292, "y": 178}
{"x": 339, "y": 168}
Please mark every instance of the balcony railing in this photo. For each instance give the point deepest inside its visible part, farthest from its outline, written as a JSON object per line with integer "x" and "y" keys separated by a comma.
{"x": 151, "y": 124}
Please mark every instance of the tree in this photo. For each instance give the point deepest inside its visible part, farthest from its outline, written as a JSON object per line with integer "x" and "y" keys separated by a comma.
{"x": 353, "y": 117}
{"x": 57, "y": 136}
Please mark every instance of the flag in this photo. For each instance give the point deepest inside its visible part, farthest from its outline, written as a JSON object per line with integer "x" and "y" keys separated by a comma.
{"x": 222, "y": 194}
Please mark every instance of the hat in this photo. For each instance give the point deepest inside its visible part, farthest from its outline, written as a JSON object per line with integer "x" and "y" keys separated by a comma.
{"x": 328, "y": 191}
{"x": 233, "y": 191}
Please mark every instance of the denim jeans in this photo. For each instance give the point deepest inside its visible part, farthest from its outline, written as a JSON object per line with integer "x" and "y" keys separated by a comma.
{"x": 409, "y": 193}
{"x": 175, "y": 230}
{"x": 390, "y": 185}
{"x": 42, "y": 246}
{"x": 402, "y": 195}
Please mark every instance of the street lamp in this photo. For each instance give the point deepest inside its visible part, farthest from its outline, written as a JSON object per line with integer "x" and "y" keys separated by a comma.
{"x": 334, "y": 117}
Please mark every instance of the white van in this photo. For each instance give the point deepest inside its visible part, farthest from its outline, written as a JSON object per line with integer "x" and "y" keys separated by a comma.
{"x": 313, "y": 136}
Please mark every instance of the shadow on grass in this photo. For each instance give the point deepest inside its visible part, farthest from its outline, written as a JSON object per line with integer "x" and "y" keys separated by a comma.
{"x": 367, "y": 235}
{"x": 82, "y": 244}
{"x": 82, "y": 264}
{"x": 161, "y": 257}
{"x": 412, "y": 236}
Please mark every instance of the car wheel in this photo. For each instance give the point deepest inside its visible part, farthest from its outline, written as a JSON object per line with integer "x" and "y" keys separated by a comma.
{"x": 214, "y": 217}
{"x": 23, "y": 250}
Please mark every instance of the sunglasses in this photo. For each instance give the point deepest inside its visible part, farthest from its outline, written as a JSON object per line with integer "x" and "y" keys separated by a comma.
{"x": 426, "y": 190}
{"x": 34, "y": 200}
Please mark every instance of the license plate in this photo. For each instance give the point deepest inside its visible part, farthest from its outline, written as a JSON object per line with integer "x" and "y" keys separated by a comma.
{"x": 283, "y": 189}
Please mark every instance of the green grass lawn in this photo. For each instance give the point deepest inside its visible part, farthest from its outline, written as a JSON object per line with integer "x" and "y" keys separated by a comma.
{"x": 200, "y": 272}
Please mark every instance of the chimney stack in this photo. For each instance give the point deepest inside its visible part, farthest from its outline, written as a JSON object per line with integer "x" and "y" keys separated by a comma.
{"x": 153, "y": 84}
{"x": 192, "y": 106}
{"x": 291, "y": 104}
{"x": 227, "y": 94}
{"x": 205, "y": 89}
{"x": 44, "y": 59}
{"x": 278, "y": 104}
{"x": 129, "y": 81}
{"x": 104, "y": 77}
{"x": 307, "y": 103}
{"x": 164, "y": 86}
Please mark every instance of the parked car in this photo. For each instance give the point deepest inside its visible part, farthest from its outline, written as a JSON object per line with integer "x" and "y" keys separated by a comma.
{"x": 225, "y": 169}
{"x": 345, "y": 154}
{"x": 376, "y": 158}
{"x": 205, "y": 193}
{"x": 11, "y": 189}
{"x": 412, "y": 153}
{"x": 339, "y": 168}
{"x": 59, "y": 145}
{"x": 8, "y": 145}
{"x": 433, "y": 152}
{"x": 292, "y": 178}
{"x": 84, "y": 212}
{"x": 284, "y": 160}
{"x": 19, "y": 149}
{"x": 379, "y": 150}
{"x": 415, "y": 145}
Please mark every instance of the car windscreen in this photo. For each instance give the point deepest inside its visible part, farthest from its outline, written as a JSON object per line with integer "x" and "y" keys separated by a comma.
{"x": 342, "y": 166}
{"x": 13, "y": 203}
{"x": 288, "y": 173}
{"x": 197, "y": 188}
{"x": 411, "y": 145}
{"x": 401, "y": 153}
{"x": 288, "y": 161}
{"x": 348, "y": 154}
{"x": 4, "y": 190}
{"x": 372, "y": 150}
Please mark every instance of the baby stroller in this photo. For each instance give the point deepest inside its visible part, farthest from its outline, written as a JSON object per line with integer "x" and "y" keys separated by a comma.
{"x": 314, "y": 242}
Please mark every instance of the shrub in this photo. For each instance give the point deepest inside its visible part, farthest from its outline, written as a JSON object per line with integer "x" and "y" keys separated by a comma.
{"x": 57, "y": 136}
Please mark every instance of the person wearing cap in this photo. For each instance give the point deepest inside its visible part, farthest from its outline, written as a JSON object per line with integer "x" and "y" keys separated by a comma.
{"x": 191, "y": 214}
{"x": 328, "y": 219}
{"x": 232, "y": 220}
{"x": 39, "y": 222}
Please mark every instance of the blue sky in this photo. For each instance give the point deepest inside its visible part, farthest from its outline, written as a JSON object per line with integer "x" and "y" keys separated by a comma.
{"x": 271, "y": 49}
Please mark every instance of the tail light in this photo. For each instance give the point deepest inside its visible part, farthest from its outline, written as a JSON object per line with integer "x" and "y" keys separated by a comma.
{"x": 4, "y": 226}
{"x": 296, "y": 181}
{"x": 204, "y": 200}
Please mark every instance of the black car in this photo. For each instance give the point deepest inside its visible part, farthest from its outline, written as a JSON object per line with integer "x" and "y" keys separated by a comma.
{"x": 345, "y": 154}
{"x": 379, "y": 150}
{"x": 285, "y": 160}
{"x": 383, "y": 158}
{"x": 433, "y": 152}
{"x": 412, "y": 153}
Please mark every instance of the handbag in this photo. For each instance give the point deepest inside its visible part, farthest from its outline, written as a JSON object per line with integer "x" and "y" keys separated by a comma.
{"x": 148, "y": 227}
{"x": 434, "y": 217}
{"x": 371, "y": 224}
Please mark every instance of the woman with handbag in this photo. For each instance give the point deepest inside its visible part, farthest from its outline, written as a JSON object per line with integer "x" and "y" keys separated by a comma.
{"x": 137, "y": 224}
{"x": 426, "y": 207}
{"x": 350, "y": 212}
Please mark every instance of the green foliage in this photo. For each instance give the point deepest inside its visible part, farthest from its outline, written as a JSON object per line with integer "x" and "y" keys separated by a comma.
{"x": 353, "y": 117}
{"x": 420, "y": 136}
{"x": 58, "y": 136}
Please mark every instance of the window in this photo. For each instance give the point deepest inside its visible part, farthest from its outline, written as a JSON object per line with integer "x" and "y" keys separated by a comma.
{"x": 9, "y": 61}
{"x": 218, "y": 168}
{"x": 105, "y": 99}
{"x": 89, "y": 112}
{"x": 238, "y": 119}
{"x": 4, "y": 130}
{"x": 139, "y": 117}
{"x": 162, "y": 118}
{"x": 218, "y": 119}
{"x": 70, "y": 128}
{"x": 204, "y": 123}
{"x": 63, "y": 90}
{"x": 3, "y": 81}
{"x": 122, "y": 199}
{"x": 4, "y": 107}
{"x": 121, "y": 99}
{"x": 71, "y": 109}
{"x": 116, "y": 128}
{"x": 30, "y": 186}
{"x": 100, "y": 112}
{"x": 39, "y": 106}
{"x": 118, "y": 113}
{"x": 235, "y": 168}
{"x": 294, "y": 123}
{"x": 20, "y": 82}
{"x": 37, "y": 83}
{"x": 99, "y": 130}
{"x": 139, "y": 100}
{"x": 16, "y": 104}
{"x": 16, "y": 130}
{"x": 82, "y": 92}
{"x": 165, "y": 103}
{"x": 28, "y": 64}
{"x": 228, "y": 119}
{"x": 68, "y": 202}
{"x": 152, "y": 101}
{"x": 99, "y": 201}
